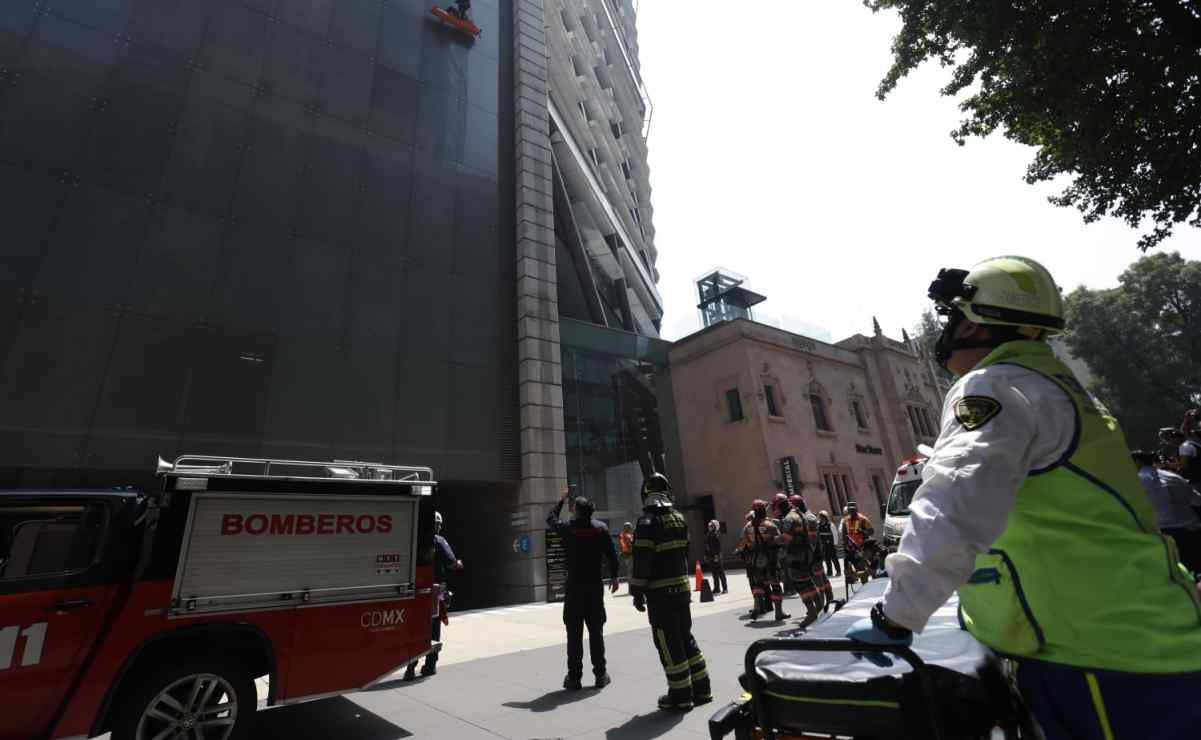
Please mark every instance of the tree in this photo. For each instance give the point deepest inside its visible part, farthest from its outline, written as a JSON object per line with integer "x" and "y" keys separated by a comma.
{"x": 1110, "y": 93}
{"x": 1142, "y": 339}
{"x": 925, "y": 334}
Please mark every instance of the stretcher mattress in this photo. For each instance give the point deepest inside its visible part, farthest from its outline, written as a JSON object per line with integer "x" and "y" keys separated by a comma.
{"x": 836, "y": 692}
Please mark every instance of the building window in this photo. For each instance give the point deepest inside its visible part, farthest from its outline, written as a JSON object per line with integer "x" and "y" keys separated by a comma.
{"x": 626, "y": 170}
{"x": 583, "y": 110}
{"x": 769, "y": 395}
{"x": 734, "y": 403}
{"x": 929, "y": 424}
{"x": 819, "y": 413}
{"x": 594, "y": 156}
{"x": 860, "y": 417}
{"x": 846, "y": 488}
{"x": 919, "y": 419}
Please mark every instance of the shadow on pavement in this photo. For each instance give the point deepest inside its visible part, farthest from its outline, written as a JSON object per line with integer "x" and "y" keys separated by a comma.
{"x": 337, "y": 717}
{"x": 643, "y": 726}
{"x": 551, "y": 700}
{"x": 397, "y": 683}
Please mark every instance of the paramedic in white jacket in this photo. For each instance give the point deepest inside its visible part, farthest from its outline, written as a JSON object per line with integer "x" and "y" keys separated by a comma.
{"x": 1031, "y": 509}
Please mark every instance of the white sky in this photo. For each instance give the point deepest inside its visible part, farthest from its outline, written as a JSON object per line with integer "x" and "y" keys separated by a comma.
{"x": 771, "y": 156}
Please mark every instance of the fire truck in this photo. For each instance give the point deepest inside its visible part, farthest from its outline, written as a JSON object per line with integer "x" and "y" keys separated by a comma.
{"x": 152, "y": 615}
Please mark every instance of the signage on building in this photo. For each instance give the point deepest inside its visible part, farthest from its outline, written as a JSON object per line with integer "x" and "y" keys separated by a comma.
{"x": 868, "y": 450}
{"x": 790, "y": 475}
{"x": 556, "y": 567}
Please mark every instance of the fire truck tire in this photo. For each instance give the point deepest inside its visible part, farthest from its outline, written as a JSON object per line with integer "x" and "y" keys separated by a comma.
{"x": 213, "y": 695}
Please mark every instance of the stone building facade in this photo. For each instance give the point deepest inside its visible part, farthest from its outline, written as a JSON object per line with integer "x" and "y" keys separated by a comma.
{"x": 760, "y": 409}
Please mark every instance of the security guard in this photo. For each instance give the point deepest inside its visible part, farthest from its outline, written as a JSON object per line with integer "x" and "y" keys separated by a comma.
{"x": 660, "y": 587}
{"x": 587, "y": 543}
{"x": 761, "y": 537}
{"x": 1031, "y": 508}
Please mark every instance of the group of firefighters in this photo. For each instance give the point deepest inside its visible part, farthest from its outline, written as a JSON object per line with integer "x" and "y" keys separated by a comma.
{"x": 788, "y": 549}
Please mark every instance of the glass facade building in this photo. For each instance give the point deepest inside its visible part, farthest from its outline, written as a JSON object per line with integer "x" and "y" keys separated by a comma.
{"x": 286, "y": 228}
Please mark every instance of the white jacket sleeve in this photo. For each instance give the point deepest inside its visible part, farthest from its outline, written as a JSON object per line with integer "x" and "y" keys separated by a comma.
{"x": 970, "y": 484}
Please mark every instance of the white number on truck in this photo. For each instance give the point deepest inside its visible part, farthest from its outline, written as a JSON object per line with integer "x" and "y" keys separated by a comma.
{"x": 35, "y": 638}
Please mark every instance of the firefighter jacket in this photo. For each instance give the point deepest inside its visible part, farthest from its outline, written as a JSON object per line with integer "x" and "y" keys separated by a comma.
{"x": 660, "y": 568}
{"x": 802, "y": 536}
{"x": 1030, "y": 506}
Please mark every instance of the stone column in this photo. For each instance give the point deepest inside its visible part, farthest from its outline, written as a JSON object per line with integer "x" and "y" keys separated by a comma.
{"x": 540, "y": 377}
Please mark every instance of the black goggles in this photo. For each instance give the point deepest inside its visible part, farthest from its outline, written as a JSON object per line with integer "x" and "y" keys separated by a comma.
{"x": 949, "y": 285}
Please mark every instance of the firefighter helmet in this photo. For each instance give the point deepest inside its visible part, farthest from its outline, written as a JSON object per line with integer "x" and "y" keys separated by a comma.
{"x": 798, "y": 501}
{"x": 655, "y": 483}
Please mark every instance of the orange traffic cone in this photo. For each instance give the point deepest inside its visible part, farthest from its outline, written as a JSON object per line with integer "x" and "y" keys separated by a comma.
{"x": 700, "y": 576}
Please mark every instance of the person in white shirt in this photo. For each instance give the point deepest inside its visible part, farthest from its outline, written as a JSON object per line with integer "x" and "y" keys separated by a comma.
{"x": 1177, "y": 506}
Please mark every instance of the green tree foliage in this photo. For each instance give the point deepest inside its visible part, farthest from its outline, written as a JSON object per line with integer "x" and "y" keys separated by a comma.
{"x": 925, "y": 334}
{"x": 1110, "y": 93}
{"x": 1142, "y": 339}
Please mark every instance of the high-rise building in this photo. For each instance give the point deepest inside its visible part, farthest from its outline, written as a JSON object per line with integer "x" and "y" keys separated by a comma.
{"x": 331, "y": 229}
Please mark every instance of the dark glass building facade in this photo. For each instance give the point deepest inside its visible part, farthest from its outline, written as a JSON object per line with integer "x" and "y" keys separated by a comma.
{"x": 259, "y": 227}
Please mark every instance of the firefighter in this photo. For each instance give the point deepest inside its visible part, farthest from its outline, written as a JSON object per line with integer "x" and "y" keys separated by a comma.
{"x": 754, "y": 578}
{"x": 854, "y": 530}
{"x": 444, "y": 562}
{"x": 588, "y": 547}
{"x": 1031, "y": 507}
{"x": 818, "y": 569}
{"x": 461, "y": 9}
{"x": 660, "y": 586}
{"x": 800, "y": 559}
{"x": 761, "y": 538}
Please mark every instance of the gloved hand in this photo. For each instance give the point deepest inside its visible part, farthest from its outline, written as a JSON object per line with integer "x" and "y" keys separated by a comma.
{"x": 877, "y": 630}
{"x": 640, "y": 603}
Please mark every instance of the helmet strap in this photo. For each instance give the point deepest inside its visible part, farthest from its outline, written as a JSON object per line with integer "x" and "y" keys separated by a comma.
{"x": 947, "y": 344}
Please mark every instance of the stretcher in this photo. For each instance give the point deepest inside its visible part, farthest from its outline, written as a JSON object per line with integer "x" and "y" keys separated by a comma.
{"x": 947, "y": 686}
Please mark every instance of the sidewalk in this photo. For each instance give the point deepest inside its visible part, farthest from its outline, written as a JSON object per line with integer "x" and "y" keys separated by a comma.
{"x": 502, "y": 670}
{"x": 487, "y": 633}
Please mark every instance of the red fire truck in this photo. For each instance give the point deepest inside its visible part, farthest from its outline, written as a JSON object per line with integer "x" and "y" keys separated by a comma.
{"x": 151, "y": 616}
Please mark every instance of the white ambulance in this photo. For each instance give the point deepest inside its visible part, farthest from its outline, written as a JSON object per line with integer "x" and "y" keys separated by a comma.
{"x": 906, "y": 482}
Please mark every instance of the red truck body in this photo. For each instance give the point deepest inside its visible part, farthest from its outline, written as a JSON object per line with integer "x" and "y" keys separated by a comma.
{"x": 317, "y": 575}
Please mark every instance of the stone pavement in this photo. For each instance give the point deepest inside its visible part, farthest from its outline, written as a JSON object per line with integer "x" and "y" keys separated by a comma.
{"x": 503, "y": 668}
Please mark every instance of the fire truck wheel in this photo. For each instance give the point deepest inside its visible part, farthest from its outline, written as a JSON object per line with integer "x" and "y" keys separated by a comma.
{"x": 198, "y": 698}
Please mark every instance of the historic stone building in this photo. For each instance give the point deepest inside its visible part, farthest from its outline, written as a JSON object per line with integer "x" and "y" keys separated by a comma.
{"x": 760, "y": 409}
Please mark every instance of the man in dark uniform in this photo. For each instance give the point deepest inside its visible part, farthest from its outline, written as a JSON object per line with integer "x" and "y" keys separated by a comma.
{"x": 660, "y": 587}
{"x": 587, "y": 543}
{"x": 444, "y": 562}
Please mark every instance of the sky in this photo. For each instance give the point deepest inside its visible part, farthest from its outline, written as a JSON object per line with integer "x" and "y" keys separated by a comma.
{"x": 771, "y": 156}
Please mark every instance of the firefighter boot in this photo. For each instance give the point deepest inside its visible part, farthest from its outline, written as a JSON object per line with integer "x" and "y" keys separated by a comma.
{"x": 780, "y": 615}
{"x": 669, "y": 702}
{"x": 411, "y": 672}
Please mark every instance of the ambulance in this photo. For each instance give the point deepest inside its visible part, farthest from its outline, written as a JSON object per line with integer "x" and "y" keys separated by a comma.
{"x": 904, "y": 484}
